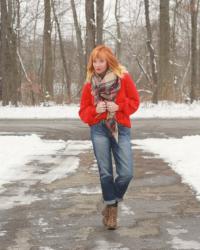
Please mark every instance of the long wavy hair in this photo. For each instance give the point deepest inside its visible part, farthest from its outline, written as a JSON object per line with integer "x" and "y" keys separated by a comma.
{"x": 104, "y": 52}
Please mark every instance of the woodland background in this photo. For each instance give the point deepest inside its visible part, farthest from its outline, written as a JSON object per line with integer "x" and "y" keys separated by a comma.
{"x": 45, "y": 44}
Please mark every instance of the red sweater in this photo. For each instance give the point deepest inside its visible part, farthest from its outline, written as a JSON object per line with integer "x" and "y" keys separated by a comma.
{"x": 127, "y": 98}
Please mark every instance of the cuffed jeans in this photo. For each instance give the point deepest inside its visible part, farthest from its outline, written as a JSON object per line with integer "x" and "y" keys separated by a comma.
{"x": 104, "y": 145}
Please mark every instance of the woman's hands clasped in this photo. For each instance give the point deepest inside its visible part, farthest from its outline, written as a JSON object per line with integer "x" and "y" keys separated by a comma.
{"x": 102, "y": 106}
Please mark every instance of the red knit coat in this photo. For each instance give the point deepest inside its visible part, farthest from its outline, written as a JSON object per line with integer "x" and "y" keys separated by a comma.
{"x": 127, "y": 98}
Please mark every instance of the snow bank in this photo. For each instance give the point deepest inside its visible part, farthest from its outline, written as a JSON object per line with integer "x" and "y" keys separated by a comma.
{"x": 146, "y": 110}
{"x": 182, "y": 155}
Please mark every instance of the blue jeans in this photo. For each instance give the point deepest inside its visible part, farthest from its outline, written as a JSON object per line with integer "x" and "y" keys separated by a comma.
{"x": 104, "y": 145}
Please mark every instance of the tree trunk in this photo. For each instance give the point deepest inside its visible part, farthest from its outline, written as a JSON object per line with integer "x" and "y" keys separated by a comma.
{"x": 34, "y": 56}
{"x": 194, "y": 84}
{"x": 174, "y": 70}
{"x": 47, "y": 63}
{"x": 152, "y": 54}
{"x": 9, "y": 63}
{"x": 199, "y": 62}
{"x": 165, "y": 89}
{"x": 118, "y": 40}
{"x": 19, "y": 47}
{"x": 14, "y": 76}
{"x": 99, "y": 20}
{"x": 90, "y": 27}
{"x": 62, "y": 52}
{"x": 4, "y": 58}
{"x": 81, "y": 56}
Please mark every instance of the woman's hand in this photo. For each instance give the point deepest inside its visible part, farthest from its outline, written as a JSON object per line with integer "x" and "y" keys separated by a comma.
{"x": 101, "y": 107}
{"x": 112, "y": 106}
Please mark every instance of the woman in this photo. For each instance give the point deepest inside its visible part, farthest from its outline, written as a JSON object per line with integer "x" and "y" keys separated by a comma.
{"x": 108, "y": 98}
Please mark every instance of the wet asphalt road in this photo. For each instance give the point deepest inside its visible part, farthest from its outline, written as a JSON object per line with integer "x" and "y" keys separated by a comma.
{"x": 159, "y": 211}
{"x": 76, "y": 130}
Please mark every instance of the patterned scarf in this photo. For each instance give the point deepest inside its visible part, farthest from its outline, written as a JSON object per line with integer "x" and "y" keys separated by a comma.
{"x": 105, "y": 89}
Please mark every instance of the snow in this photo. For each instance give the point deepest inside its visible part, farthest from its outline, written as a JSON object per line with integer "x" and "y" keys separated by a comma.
{"x": 2, "y": 233}
{"x": 176, "y": 231}
{"x": 34, "y": 160}
{"x": 45, "y": 248}
{"x": 168, "y": 110}
{"x": 68, "y": 166}
{"x": 126, "y": 209}
{"x": 84, "y": 190}
{"x": 182, "y": 154}
{"x": 67, "y": 111}
{"x": 178, "y": 243}
{"x": 16, "y": 151}
{"x": 75, "y": 147}
{"x": 146, "y": 110}
{"x": 107, "y": 245}
{"x": 18, "y": 197}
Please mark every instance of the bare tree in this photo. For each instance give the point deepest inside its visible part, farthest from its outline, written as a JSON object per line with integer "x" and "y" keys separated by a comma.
{"x": 174, "y": 56}
{"x": 47, "y": 60}
{"x": 195, "y": 86}
{"x": 151, "y": 52}
{"x": 34, "y": 59}
{"x": 18, "y": 17}
{"x": 119, "y": 38}
{"x": 165, "y": 89}
{"x": 62, "y": 52}
{"x": 199, "y": 58}
{"x": 27, "y": 53}
{"x": 99, "y": 21}
{"x": 81, "y": 56}
{"x": 90, "y": 27}
{"x": 4, "y": 58}
{"x": 9, "y": 63}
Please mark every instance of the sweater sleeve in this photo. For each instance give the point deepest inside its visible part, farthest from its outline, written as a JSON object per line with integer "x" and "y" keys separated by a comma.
{"x": 131, "y": 102}
{"x": 87, "y": 110}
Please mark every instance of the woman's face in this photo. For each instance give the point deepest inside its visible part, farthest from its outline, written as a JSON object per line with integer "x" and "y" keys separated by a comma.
{"x": 100, "y": 65}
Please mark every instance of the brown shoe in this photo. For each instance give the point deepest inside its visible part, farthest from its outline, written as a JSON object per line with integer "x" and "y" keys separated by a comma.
{"x": 105, "y": 215}
{"x": 112, "y": 218}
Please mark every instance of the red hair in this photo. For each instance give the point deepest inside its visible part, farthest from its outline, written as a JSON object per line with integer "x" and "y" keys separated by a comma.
{"x": 104, "y": 52}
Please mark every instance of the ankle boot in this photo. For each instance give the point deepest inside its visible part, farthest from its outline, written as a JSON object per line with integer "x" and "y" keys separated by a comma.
{"x": 105, "y": 215}
{"x": 112, "y": 217}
